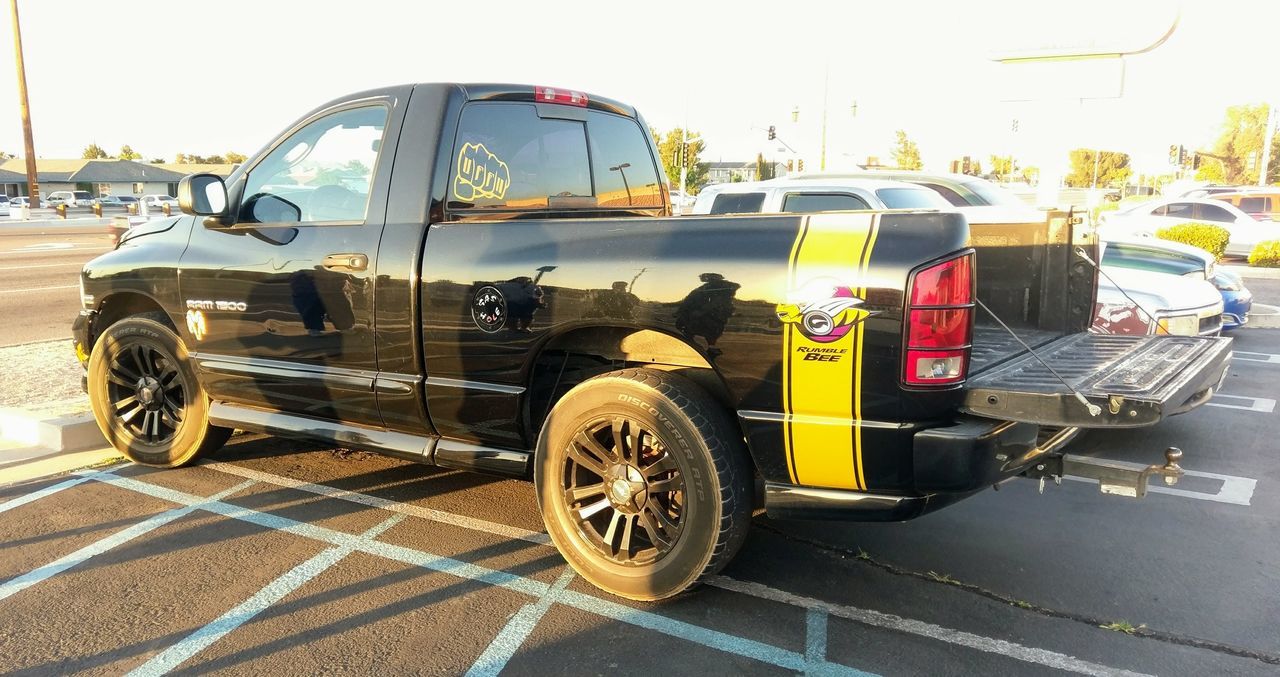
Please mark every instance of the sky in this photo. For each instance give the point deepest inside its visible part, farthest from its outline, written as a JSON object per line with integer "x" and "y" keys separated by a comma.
{"x": 210, "y": 77}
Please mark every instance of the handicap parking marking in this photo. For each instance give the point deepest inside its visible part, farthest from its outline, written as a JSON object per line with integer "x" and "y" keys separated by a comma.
{"x": 503, "y": 647}
{"x": 1234, "y": 490}
{"x": 1262, "y": 405}
{"x": 1256, "y": 358}
{"x": 705, "y": 636}
{"x": 273, "y": 592}
{"x": 16, "y": 585}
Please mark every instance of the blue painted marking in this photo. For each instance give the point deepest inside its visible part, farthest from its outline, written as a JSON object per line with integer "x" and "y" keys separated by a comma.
{"x": 96, "y": 548}
{"x": 37, "y": 495}
{"x": 516, "y": 631}
{"x": 274, "y": 591}
{"x": 815, "y": 637}
{"x": 707, "y": 637}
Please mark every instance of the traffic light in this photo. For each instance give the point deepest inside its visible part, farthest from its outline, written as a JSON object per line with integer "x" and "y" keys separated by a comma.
{"x": 773, "y": 132}
{"x": 800, "y": 165}
{"x": 964, "y": 165}
{"x": 1182, "y": 155}
{"x": 1195, "y": 161}
{"x": 790, "y": 166}
{"x": 1173, "y": 154}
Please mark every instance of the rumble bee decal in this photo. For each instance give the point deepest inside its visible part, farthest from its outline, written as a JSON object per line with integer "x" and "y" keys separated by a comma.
{"x": 822, "y": 343}
{"x": 480, "y": 174}
{"x": 823, "y": 310}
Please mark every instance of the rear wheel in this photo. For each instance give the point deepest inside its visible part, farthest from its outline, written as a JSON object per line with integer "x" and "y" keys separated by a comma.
{"x": 146, "y": 397}
{"x": 643, "y": 482}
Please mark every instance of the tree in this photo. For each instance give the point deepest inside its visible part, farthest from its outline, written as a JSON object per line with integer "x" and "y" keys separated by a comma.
{"x": 1113, "y": 168}
{"x": 1238, "y": 148}
{"x": 1031, "y": 175}
{"x": 906, "y": 154}
{"x": 235, "y": 158}
{"x": 157, "y": 160}
{"x": 1003, "y": 167}
{"x": 669, "y": 153}
{"x": 1211, "y": 170}
{"x": 6, "y": 156}
{"x": 764, "y": 170}
{"x": 193, "y": 159}
{"x": 93, "y": 152}
{"x": 128, "y": 153}
{"x": 975, "y": 168}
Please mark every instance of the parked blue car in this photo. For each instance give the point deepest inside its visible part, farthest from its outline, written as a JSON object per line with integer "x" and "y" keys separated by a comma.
{"x": 1236, "y": 299}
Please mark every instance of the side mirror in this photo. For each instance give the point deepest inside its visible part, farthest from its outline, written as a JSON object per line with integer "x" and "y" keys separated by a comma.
{"x": 202, "y": 195}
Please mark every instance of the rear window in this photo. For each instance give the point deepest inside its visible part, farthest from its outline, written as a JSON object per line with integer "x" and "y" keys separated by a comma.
{"x": 947, "y": 194}
{"x": 822, "y": 202}
{"x": 993, "y": 194}
{"x": 737, "y": 203}
{"x": 509, "y": 157}
{"x": 1253, "y": 205}
{"x": 911, "y": 198}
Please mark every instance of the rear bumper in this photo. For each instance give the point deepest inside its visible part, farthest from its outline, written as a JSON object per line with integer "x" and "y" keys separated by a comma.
{"x": 950, "y": 463}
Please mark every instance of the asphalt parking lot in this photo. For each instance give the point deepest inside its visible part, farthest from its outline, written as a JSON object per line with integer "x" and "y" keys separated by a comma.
{"x": 286, "y": 558}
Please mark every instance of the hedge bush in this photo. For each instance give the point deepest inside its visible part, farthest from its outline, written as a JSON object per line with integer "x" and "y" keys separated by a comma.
{"x": 1206, "y": 236}
{"x": 1265, "y": 254}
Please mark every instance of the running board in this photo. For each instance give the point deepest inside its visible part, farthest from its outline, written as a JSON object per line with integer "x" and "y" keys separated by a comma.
{"x": 427, "y": 449}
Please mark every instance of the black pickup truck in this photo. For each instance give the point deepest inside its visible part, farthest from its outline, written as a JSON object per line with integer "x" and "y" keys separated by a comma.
{"x": 488, "y": 277}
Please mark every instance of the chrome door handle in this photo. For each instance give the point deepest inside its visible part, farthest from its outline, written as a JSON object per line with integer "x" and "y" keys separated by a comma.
{"x": 350, "y": 262}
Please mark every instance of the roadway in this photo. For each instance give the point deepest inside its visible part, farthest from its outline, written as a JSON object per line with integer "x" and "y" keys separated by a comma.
{"x": 39, "y": 282}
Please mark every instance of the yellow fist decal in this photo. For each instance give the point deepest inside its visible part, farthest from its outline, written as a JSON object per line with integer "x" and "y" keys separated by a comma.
{"x": 480, "y": 174}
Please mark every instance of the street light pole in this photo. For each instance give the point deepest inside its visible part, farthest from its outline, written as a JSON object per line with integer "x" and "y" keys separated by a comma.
{"x": 29, "y": 146}
{"x": 826, "y": 87}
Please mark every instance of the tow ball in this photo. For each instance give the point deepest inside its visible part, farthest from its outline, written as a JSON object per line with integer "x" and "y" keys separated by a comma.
{"x": 1119, "y": 478}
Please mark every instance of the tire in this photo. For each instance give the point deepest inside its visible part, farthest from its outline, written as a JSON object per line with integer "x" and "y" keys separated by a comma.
{"x": 146, "y": 397}
{"x": 668, "y": 511}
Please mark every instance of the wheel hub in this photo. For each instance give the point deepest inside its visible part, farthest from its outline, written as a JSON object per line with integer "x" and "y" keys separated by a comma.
{"x": 626, "y": 487}
{"x": 149, "y": 392}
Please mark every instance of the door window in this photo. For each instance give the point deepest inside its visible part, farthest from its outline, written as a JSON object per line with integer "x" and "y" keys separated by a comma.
{"x": 1176, "y": 210}
{"x": 822, "y": 202}
{"x": 1213, "y": 213}
{"x": 1255, "y": 205}
{"x": 321, "y": 173}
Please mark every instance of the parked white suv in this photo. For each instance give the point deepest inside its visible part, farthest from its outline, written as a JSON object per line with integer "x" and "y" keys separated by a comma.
{"x": 70, "y": 198}
{"x": 815, "y": 195}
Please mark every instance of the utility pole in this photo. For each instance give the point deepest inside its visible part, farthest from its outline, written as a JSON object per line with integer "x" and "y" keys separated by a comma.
{"x": 29, "y": 146}
{"x": 1266, "y": 144}
{"x": 826, "y": 87}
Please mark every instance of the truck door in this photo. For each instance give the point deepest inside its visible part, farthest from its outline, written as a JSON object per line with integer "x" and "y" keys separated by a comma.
{"x": 280, "y": 304}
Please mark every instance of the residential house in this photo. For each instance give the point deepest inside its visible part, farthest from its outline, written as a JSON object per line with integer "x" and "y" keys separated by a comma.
{"x": 13, "y": 184}
{"x": 99, "y": 177}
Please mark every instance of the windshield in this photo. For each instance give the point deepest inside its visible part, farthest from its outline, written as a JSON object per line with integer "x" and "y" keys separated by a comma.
{"x": 993, "y": 194}
{"x": 911, "y": 198}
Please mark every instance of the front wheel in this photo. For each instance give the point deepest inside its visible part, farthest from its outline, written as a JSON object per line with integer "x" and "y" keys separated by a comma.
{"x": 643, "y": 482}
{"x": 145, "y": 395}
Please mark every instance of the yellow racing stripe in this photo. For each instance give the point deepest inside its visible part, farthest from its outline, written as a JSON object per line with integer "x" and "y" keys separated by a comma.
{"x": 821, "y": 383}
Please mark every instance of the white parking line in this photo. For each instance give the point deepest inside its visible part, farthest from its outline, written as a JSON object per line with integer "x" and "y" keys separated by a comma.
{"x": 274, "y": 591}
{"x": 1265, "y": 358}
{"x": 31, "y": 289}
{"x": 1262, "y": 405}
{"x": 1234, "y": 490}
{"x": 44, "y": 265}
{"x": 585, "y": 603}
{"x": 35, "y": 495}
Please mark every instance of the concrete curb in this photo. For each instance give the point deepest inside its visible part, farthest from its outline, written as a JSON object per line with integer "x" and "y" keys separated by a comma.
{"x": 56, "y": 433}
{"x": 1252, "y": 271}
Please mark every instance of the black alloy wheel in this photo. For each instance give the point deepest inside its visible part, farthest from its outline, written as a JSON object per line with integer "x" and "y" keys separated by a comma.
{"x": 625, "y": 489}
{"x": 147, "y": 392}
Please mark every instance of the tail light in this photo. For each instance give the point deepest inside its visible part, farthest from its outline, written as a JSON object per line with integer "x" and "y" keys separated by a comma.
{"x": 938, "y": 328}
{"x": 563, "y": 96}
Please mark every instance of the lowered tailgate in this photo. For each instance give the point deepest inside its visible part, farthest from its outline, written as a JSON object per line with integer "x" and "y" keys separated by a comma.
{"x": 1134, "y": 381}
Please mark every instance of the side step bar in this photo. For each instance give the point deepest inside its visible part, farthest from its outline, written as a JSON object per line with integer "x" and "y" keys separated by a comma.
{"x": 428, "y": 449}
{"x": 1119, "y": 478}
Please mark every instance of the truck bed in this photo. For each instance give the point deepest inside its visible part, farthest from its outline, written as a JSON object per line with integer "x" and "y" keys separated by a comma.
{"x": 993, "y": 345}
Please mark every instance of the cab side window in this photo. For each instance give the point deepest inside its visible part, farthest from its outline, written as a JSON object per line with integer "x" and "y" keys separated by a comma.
{"x": 737, "y": 203}
{"x": 321, "y": 173}
{"x": 620, "y": 159}
{"x": 1177, "y": 210}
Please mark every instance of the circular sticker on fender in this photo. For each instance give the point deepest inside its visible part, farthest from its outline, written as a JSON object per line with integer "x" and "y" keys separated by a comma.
{"x": 489, "y": 309}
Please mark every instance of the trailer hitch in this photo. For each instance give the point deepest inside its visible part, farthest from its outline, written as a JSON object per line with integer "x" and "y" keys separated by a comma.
{"x": 1119, "y": 478}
